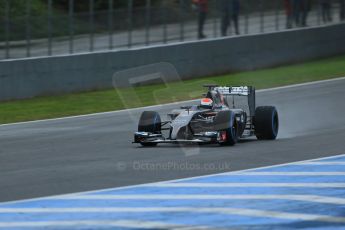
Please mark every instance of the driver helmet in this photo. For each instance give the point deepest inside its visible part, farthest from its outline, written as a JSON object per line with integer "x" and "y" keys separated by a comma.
{"x": 206, "y": 103}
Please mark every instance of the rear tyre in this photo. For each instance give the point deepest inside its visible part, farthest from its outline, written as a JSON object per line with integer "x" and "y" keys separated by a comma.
{"x": 226, "y": 124}
{"x": 150, "y": 122}
{"x": 266, "y": 123}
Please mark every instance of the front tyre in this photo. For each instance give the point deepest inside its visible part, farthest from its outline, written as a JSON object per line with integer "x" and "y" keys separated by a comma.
{"x": 226, "y": 124}
{"x": 150, "y": 122}
{"x": 266, "y": 123}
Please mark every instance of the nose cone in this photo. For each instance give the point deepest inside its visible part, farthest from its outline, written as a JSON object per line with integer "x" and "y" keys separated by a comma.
{"x": 180, "y": 122}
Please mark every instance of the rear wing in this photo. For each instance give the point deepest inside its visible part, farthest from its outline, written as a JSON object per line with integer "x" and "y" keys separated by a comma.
{"x": 234, "y": 90}
{"x": 247, "y": 91}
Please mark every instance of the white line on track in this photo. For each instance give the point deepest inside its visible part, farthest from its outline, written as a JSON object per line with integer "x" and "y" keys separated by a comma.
{"x": 98, "y": 223}
{"x": 247, "y": 185}
{"x": 169, "y": 181}
{"x": 307, "y": 198}
{"x": 287, "y": 174}
{"x": 173, "y": 103}
{"x": 323, "y": 163}
{"x": 210, "y": 210}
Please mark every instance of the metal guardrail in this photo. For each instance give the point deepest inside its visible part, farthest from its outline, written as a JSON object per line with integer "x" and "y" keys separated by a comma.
{"x": 59, "y": 32}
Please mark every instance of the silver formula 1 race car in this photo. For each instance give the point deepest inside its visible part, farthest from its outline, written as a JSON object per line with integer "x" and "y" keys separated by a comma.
{"x": 224, "y": 115}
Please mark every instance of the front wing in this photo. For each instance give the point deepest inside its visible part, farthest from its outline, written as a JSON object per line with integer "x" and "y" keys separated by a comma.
{"x": 145, "y": 137}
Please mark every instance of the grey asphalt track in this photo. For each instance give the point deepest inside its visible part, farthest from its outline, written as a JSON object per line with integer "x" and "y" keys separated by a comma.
{"x": 95, "y": 152}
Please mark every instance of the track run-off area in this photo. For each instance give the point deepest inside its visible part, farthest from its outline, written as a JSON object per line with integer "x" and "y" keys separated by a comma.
{"x": 308, "y": 194}
{"x": 242, "y": 187}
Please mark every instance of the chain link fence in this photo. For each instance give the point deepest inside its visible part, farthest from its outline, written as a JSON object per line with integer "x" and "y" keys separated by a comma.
{"x": 53, "y": 31}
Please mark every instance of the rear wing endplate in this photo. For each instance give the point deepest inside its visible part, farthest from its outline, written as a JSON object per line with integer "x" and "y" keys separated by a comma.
{"x": 247, "y": 91}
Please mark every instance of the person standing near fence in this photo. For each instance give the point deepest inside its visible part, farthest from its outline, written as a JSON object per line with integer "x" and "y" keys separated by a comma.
{"x": 288, "y": 12}
{"x": 230, "y": 10}
{"x": 307, "y": 4}
{"x": 296, "y": 9}
{"x": 202, "y": 7}
{"x": 342, "y": 9}
{"x": 326, "y": 10}
{"x": 300, "y": 10}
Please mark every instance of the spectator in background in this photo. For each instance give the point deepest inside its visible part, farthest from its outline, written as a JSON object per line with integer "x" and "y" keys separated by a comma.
{"x": 202, "y": 8}
{"x": 300, "y": 10}
{"x": 296, "y": 9}
{"x": 230, "y": 10}
{"x": 306, "y": 8}
{"x": 342, "y": 9}
{"x": 289, "y": 14}
{"x": 326, "y": 10}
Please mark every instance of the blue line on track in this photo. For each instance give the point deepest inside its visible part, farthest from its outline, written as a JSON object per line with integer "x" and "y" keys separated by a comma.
{"x": 286, "y": 208}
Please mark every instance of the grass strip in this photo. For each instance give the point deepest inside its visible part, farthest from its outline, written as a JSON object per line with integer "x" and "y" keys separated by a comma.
{"x": 116, "y": 99}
